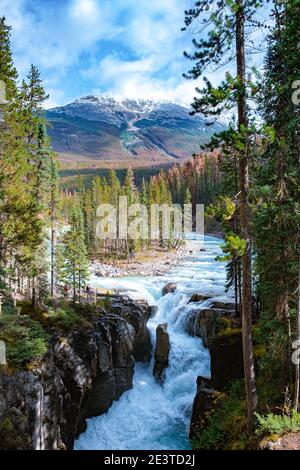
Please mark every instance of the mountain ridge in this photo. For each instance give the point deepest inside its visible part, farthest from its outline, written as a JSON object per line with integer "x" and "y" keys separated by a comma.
{"x": 97, "y": 128}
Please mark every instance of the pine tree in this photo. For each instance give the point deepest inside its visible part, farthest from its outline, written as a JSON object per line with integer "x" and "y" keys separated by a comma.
{"x": 32, "y": 97}
{"x": 187, "y": 196}
{"x": 20, "y": 228}
{"x": 73, "y": 268}
{"x": 130, "y": 191}
{"x": 226, "y": 27}
{"x": 277, "y": 217}
{"x": 54, "y": 202}
{"x": 8, "y": 73}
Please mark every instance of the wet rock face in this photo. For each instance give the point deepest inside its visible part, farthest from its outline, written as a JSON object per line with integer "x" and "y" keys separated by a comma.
{"x": 199, "y": 298}
{"x": 226, "y": 353}
{"x": 203, "y": 404}
{"x": 162, "y": 350}
{"x": 79, "y": 378}
{"x": 203, "y": 322}
{"x": 170, "y": 287}
{"x": 137, "y": 314}
{"x": 221, "y": 333}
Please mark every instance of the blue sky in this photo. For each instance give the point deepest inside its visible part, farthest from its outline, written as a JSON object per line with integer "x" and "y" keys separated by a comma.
{"x": 124, "y": 48}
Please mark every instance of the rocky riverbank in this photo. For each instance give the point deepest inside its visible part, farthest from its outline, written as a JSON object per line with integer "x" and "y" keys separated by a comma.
{"x": 44, "y": 406}
{"x": 151, "y": 263}
{"x": 215, "y": 321}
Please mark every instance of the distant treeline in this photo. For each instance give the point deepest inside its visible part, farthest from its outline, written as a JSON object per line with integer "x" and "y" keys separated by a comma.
{"x": 195, "y": 181}
{"x": 71, "y": 179}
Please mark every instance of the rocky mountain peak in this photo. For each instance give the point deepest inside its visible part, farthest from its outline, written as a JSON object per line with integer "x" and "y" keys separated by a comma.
{"x": 104, "y": 127}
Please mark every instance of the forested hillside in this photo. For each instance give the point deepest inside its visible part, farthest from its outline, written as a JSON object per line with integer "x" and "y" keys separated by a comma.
{"x": 259, "y": 208}
{"x": 95, "y": 129}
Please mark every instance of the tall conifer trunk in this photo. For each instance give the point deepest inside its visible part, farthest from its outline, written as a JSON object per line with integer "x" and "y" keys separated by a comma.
{"x": 246, "y": 306}
{"x": 297, "y": 366}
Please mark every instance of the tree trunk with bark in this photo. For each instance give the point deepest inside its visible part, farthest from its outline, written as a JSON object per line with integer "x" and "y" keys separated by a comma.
{"x": 297, "y": 366}
{"x": 245, "y": 223}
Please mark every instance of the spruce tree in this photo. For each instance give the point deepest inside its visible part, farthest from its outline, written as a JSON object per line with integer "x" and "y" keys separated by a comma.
{"x": 225, "y": 28}
{"x": 20, "y": 228}
{"x": 276, "y": 198}
{"x": 54, "y": 203}
{"x": 73, "y": 261}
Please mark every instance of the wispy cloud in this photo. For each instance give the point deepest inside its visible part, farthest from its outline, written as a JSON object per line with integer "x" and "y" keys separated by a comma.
{"x": 127, "y": 48}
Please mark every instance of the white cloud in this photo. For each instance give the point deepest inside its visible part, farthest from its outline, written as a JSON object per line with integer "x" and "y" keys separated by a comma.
{"x": 112, "y": 67}
{"x": 134, "y": 80}
{"x": 147, "y": 61}
{"x": 56, "y": 98}
{"x": 85, "y": 9}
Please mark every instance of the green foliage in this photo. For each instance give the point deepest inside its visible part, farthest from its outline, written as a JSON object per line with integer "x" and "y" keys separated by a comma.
{"x": 275, "y": 199}
{"x": 272, "y": 333}
{"x": 25, "y": 339}
{"x": 24, "y": 173}
{"x": 68, "y": 315}
{"x": 226, "y": 427}
{"x": 12, "y": 438}
{"x": 65, "y": 318}
{"x": 196, "y": 181}
{"x": 73, "y": 259}
{"x": 277, "y": 424}
{"x": 233, "y": 248}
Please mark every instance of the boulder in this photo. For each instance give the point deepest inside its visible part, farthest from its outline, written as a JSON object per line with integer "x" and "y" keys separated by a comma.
{"x": 162, "y": 350}
{"x": 286, "y": 441}
{"x": 229, "y": 307}
{"x": 137, "y": 313}
{"x": 199, "y": 298}
{"x": 170, "y": 287}
{"x": 202, "y": 323}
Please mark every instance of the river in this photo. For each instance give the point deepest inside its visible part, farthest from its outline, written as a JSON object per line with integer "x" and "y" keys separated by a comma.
{"x": 151, "y": 416}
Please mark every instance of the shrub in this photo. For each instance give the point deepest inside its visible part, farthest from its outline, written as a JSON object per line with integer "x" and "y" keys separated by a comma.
{"x": 65, "y": 318}
{"x": 226, "y": 428}
{"x": 25, "y": 339}
{"x": 9, "y": 309}
{"x": 11, "y": 438}
{"x": 277, "y": 424}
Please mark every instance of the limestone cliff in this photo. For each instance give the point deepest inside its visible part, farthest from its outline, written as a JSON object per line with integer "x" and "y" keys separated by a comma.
{"x": 83, "y": 372}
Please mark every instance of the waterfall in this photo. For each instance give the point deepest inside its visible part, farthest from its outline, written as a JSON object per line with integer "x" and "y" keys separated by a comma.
{"x": 151, "y": 416}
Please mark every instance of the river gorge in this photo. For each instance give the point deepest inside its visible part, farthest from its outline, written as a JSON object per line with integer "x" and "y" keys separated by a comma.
{"x": 94, "y": 389}
{"x": 150, "y": 415}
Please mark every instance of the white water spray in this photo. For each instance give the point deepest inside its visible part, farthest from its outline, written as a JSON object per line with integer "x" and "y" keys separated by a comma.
{"x": 151, "y": 416}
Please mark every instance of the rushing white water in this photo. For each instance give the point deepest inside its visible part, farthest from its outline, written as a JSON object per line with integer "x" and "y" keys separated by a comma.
{"x": 151, "y": 416}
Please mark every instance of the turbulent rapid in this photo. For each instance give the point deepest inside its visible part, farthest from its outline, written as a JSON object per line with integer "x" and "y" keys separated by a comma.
{"x": 151, "y": 416}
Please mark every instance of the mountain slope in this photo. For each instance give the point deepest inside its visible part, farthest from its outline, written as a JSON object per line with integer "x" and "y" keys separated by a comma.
{"x": 96, "y": 128}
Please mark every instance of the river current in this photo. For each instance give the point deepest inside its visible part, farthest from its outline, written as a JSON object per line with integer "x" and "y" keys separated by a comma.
{"x": 151, "y": 416}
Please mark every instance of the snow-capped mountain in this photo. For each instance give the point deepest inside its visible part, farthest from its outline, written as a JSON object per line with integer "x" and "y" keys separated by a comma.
{"x": 107, "y": 109}
{"x": 104, "y": 128}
